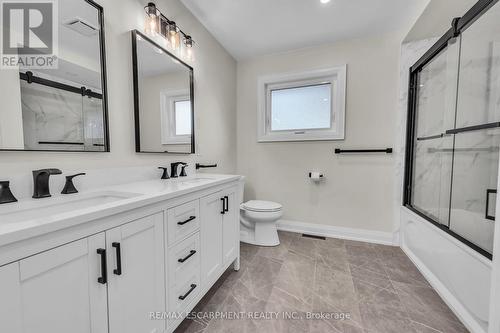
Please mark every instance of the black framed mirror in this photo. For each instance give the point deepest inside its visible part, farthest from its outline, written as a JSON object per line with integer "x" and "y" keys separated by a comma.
{"x": 61, "y": 107}
{"x": 163, "y": 99}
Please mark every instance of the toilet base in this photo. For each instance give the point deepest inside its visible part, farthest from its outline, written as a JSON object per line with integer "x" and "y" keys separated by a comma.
{"x": 264, "y": 234}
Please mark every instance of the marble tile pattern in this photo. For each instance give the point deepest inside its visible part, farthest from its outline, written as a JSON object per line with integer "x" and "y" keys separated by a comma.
{"x": 371, "y": 288}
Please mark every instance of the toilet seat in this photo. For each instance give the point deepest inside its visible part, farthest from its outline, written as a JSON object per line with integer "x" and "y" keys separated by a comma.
{"x": 261, "y": 206}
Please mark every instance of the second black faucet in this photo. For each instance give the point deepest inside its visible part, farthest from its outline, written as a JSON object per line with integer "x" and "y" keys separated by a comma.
{"x": 174, "y": 169}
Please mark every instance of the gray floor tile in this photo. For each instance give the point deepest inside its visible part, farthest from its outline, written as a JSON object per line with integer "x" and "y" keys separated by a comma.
{"x": 365, "y": 288}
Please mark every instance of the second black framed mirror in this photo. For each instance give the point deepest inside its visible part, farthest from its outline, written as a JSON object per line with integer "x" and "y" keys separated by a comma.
{"x": 163, "y": 99}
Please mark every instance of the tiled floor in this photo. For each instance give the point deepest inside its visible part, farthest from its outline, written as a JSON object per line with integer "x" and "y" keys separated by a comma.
{"x": 377, "y": 286}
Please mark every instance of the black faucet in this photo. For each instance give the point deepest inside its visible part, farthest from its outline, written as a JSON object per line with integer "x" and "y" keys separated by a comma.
{"x": 69, "y": 187}
{"x": 6, "y": 195}
{"x": 41, "y": 182}
{"x": 173, "y": 169}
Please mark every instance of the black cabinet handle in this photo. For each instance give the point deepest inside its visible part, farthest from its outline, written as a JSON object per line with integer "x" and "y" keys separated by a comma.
{"x": 488, "y": 193}
{"x": 104, "y": 272}
{"x": 226, "y": 202}
{"x": 188, "y": 220}
{"x": 223, "y": 206}
{"x": 183, "y": 297}
{"x": 191, "y": 253}
{"x": 118, "y": 270}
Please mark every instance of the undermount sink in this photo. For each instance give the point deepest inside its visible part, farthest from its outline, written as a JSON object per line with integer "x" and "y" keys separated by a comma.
{"x": 195, "y": 180}
{"x": 31, "y": 210}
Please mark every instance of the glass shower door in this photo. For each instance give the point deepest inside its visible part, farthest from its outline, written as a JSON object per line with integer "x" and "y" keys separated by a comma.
{"x": 436, "y": 98}
{"x": 476, "y": 132}
{"x": 93, "y": 123}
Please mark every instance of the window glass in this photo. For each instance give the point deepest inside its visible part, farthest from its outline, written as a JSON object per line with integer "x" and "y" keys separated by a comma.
{"x": 307, "y": 107}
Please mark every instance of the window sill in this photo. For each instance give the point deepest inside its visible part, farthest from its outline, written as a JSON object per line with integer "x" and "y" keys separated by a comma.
{"x": 176, "y": 142}
{"x": 285, "y": 137}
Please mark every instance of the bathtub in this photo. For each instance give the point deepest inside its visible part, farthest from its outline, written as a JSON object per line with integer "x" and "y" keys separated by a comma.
{"x": 459, "y": 274}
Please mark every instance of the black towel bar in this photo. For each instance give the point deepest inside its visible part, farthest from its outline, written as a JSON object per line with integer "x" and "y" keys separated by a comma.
{"x": 358, "y": 151}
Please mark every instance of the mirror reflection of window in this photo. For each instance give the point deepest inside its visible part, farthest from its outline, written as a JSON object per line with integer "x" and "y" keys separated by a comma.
{"x": 183, "y": 117}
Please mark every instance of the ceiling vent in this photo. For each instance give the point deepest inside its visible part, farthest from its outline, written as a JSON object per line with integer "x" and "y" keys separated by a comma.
{"x": 81, "y": 26}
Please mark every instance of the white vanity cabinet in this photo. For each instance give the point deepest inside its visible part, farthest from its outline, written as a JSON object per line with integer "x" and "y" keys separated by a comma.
{"x": 56, "y": 291}
{"x": 110, "y": 275}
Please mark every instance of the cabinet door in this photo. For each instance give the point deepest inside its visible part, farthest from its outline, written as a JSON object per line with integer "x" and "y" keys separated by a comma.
{"x": 211, "y": 208}
{"x": 56, "y": 291}
{"x": 230, "y": 226}
{"x": 136, "y": 275}
{"x": 11, "y": 312}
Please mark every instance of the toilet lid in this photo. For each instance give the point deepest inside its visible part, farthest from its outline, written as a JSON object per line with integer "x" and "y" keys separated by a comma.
{"x": 262, "y": 206}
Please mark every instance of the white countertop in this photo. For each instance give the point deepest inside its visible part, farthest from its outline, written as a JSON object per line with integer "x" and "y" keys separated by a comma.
{"x": 19, "y": 220}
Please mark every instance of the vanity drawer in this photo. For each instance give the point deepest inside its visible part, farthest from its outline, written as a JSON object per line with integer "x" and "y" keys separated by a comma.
{"x": 184, "y": 260}
{"x": 184, "y": 271}
{"x": 183, "y": 220}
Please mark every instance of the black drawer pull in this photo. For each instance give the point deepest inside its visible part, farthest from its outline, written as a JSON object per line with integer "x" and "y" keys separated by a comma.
{"x": 183, "y": 297}
{"x": 188, "y": 220}
{"x": 118, "y": 270}
{"x": 226, "y": 204}
{"x": 191, "y": 253}
{"x": 223, "y": 206}
{"x": 104, "y": 273}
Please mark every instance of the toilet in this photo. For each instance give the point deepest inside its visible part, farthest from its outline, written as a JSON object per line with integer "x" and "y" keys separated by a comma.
{"x": 258, "y": 222}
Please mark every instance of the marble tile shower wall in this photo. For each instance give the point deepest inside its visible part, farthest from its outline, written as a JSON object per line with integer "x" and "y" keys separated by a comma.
{"x": 54, "y": 115}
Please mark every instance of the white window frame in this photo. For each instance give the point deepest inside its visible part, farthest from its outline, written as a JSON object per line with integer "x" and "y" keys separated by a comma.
{"x": 336, "y": 76}
{"x": 167, "y": 111}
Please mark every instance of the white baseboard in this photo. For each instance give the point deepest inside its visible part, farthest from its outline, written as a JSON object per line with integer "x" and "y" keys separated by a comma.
{"x": 453, "y": 303}
{"x": 362, "y": 235}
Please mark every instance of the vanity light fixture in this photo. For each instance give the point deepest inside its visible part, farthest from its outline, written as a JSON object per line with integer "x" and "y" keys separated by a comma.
{"x": 152, "y": 26}
{"x": 188, "y": 48}
{"x": 174, "y": 36}
{"x": 159, "y": 24}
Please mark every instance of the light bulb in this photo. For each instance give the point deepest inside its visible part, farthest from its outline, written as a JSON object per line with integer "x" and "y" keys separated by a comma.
{"x": 189, "y": 54}
{"x": 152, "y": 23}
{"x": 324, "y": 1}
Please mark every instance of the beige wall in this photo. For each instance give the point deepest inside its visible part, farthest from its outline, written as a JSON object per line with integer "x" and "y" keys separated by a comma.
{"x": 436, "y": 18}
{"x": 11, "y": 119}
{"x": 215, "y": 99}
{"x": 358, "y": 190}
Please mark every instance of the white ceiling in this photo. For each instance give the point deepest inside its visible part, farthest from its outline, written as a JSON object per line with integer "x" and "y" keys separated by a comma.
{"x": 248, "y": 28}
